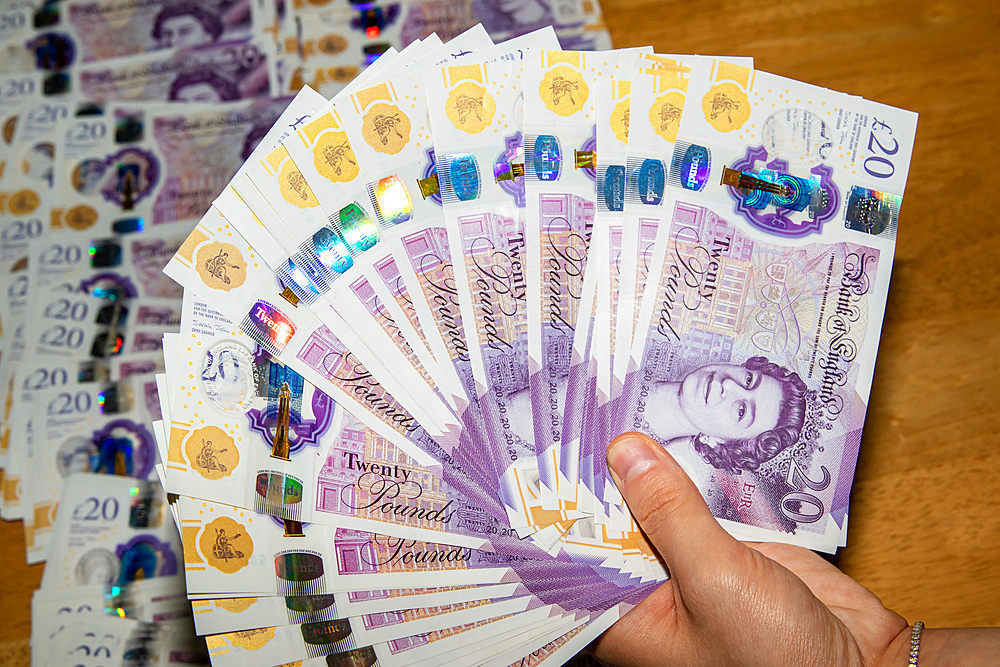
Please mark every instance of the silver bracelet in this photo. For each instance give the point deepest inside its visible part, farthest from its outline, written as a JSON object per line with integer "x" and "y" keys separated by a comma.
{"x": 918, "y": 628}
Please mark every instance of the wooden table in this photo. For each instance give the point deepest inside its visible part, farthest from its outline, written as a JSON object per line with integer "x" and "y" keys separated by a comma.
{"x": 925, "y": 519}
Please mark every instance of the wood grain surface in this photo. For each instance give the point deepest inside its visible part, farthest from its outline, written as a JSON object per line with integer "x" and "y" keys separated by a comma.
{"x": 925, "y": 516}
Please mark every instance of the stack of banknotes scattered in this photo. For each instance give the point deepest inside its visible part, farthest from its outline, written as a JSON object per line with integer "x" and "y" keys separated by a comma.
{"x": 222, "y": 50}
{"x": 419, "y": 312}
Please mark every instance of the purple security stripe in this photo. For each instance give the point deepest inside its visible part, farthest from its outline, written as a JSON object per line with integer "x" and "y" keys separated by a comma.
{"x": 541, "y": 574}
{"x": 565, "y": 227}
{"x": 589, "y": 591}
{"x": 610, "y": 414}
{"x": 615, "y": 238}
{"x": 389, "y": 272}
{"x": 430, "y": 259}
{"x": 363, "y": 553}
{"x": 540, "y": 390}
{"x": 576, "y": 388}
{"x": 493, "y": 247}
{"x": 328, "y": 355}
{"x": 582, "y": 600}
{"x": 609, "y": 417}
{"x": 842, "y": 494}
{"x": 323, "y": 346}
{"x": 592, "y": 438}
{"x": 366, "y": 294}
{"x": 417, "y": 435}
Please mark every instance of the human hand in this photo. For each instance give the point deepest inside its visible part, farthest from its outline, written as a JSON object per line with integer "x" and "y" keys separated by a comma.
{"x": 734, "y": 603}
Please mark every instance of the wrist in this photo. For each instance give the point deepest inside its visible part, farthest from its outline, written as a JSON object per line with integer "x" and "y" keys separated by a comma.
{"x": 897, "y": 653}
{"x": 944, "y": 647}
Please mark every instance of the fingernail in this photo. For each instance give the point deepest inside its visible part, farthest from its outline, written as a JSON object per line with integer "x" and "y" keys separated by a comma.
{"x": 631, "y": 454}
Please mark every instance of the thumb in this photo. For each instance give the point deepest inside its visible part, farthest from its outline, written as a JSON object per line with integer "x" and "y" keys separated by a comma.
{"x": 667, "y": 504}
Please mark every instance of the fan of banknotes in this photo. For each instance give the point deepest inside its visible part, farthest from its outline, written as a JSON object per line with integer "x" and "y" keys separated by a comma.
{"x": 419, "y": 312}
{"x": 411, "y": 323}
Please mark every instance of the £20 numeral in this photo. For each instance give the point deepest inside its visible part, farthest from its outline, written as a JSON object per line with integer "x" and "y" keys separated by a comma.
{"x": 800, "y": 499}
{"x": 880, "y": 166}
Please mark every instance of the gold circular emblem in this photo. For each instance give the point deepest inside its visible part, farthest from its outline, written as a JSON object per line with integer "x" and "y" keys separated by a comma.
{"x": 221, "y": 266}
{"x": 251, "y": 640}
{"x": 334, "y": 157}
{"x": 619, "y": 120}
{"x": 665, "y": 115}
{"x": 343, "y": 74}
{"x": 563, "y": 90}
{"x": 212, "y": 453}
{"x": 726, "y": 107}
{"x": 386, "y": 128}
{"x": 23, "y": 202}
{"x": 294, "y": 188}
{"x": 80, "y": 217}
{"x": 331, "y": 44}
{"x": 470, "y": 108}
{"x": 234, "y": 605}
{"x": 226, "y": 545}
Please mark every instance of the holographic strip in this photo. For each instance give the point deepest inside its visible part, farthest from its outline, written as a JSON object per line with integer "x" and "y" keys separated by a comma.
{"x": 359, "y": 657}
{"x": 106, "y": 344}
{"x": 798, "y": 191}
{"x": 458, "y": 178}
{"x": 611, "y": 188}
{"x": 872, "y": 212}
{"x": 329, "y": 253}
{"x": 769, "y": 187}
{"x": 649, "y": 182}
{"x": 391, "y": 200}
{"x": 304, "y": 276}
{"x": 105, "y": 254}
{"x": 300, "y": 573}
{"x": 543, "y": 157}
{"x": 311, "y": 608}
{"x": 331, "y": 250}
{"x": 112, "y": 401}
{"x": 328, "y": 637}
{"x": 278, "y": 495}
{"x": 645, "y": 181}
{"x": 690, "y": 166}
{"x": 269, "y": 327}
{"x": 358, "y": 230}
{"x": 128, "y": 225}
